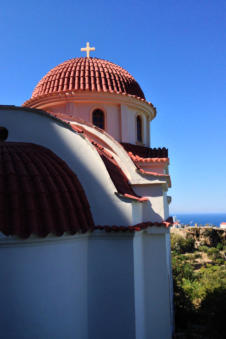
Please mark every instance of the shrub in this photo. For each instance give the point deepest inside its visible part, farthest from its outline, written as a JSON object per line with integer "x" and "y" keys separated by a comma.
{"x": 212, "y": 250}
{"x": 194, "y": 290}
{"x": 199, "y": 294}
{"x": 203, "y": 248}
{"x": 197, "y": 255}
{"x": 212, "y": 236}
{"x": 213, "y": 253}
{"x": 220, "y": 261}
{"x": 220, "y": 246}
{"x": 212, "y": 277}
{"x": 175, "y": 239}
{"x": 181, "y": 245}
{"x": 183, "y": 307}
{"x": 181, "y": 268}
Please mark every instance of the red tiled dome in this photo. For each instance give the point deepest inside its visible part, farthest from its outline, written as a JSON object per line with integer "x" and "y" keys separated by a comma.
{"x": 39, "y": 194}
{"x": 90, "y": 74}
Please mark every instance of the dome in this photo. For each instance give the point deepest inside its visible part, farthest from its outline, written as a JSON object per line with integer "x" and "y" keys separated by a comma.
{"x": 39, "y": 194}
{"x": 87, "y": 74}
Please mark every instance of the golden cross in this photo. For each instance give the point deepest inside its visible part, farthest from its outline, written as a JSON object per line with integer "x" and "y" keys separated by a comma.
{"x": 87, "y": 49}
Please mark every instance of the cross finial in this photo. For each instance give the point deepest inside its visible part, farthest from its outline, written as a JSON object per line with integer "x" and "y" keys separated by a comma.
{"x": 87, "y": 49}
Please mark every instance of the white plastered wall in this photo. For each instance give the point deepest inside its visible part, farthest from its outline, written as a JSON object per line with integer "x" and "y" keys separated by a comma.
{"x": 79, "y": 286}
{"x": 111, "y": 286}
{"x": 96, "y": 285}
{"x": 166, "y": 205}
{"x": 128, "y": 125}
{"x": 84, "y": 111}
{"x": 152, "y": 289}
{"x": 120, "y": 110}
{"x": 43, "y": 290}
{"x": 154, "y": 209}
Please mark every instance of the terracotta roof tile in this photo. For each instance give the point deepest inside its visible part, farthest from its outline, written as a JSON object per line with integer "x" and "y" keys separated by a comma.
{"x": 135, "y": 228}
{"x": 88, "y": 74}
{"x": 145, "y": 152}
{"x": 39, "y": 194}
{"x": 118, "y": 177}
{"x": 142, "y": 154}
{"x": 136, "y": 158}
{"x": 156, "y": 174}
{"x": 135, "y": 197}
{"x": 140, "y": 149}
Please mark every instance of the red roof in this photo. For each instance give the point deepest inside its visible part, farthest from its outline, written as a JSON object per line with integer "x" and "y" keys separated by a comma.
{"x": 116, "y": 174}
{"x": 90, "y": 74}
{"x": 145, "y": 152}
{"x": 118, "y": 177}
{"x": 136, "y": 158}
{"x": 136, "y": 228}
{"x": 39, "y": 194}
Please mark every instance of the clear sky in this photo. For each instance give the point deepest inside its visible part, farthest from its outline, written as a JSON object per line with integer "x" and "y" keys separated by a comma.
{"x": 174, "y": 48}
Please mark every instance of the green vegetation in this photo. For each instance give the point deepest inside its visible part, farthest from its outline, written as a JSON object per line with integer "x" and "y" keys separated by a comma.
{"x": 199, "y": 276}
{"x": 182, "y": 245}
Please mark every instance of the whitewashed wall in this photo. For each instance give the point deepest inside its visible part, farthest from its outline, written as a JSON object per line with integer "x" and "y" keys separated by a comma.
{"x": 111, "y": 287}
{"x": 128, "y": 125}
{"x": 43, "y": 289}
{"x": 152, "y": 289}
{"x": 154, "y": 209}
{"x": 99, "y": 285}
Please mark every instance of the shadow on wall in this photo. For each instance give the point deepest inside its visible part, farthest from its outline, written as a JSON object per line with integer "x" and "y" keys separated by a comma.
{"x": 149, "y": 208}
{"x": 110, "y": 289}
{"x": 106, "y": 207}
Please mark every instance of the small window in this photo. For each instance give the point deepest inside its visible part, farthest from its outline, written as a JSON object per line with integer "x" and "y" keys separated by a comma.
{"x": 98, "y": 118}
{"x": 139, "y": 129}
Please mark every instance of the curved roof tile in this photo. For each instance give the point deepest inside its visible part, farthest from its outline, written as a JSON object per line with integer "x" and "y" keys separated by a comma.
{"x": 90, "y": 74}
{"x": 145, "y": 152}
{"x": 39, "y": 194}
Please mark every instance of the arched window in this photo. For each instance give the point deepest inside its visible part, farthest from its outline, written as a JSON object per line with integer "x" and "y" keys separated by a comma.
{"x": 98, "y": 118}
{"x": 139, "y": 128}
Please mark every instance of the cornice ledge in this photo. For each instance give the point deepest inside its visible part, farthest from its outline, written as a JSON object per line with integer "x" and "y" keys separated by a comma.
{"x": 48, "y": 100}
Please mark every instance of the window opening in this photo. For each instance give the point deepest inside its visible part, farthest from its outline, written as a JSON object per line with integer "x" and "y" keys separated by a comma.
{"x": 98, "y": 118}
{"x": 139, "y": 129}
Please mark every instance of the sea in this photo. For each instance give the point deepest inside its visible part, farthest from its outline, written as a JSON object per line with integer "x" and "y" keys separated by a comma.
{"x": 212, "y": 219}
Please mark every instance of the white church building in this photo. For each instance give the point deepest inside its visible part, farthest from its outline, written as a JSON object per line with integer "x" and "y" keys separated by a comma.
{"x": 84, "y": 217}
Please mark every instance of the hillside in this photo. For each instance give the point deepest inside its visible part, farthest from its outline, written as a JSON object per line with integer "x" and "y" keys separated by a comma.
{"x": 199, "y": 273}
{"x": 209, "y": 236}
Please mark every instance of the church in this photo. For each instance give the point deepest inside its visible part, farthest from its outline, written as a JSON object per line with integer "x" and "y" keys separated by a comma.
{"x": 84, "y": 229}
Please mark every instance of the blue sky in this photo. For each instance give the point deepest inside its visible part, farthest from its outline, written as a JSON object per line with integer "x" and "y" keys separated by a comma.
{"x": 174, "y": 48}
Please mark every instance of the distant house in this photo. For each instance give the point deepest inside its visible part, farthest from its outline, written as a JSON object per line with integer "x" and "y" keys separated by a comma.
{"x": 223, "y": 225}
{"x": 177, "y": 224}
